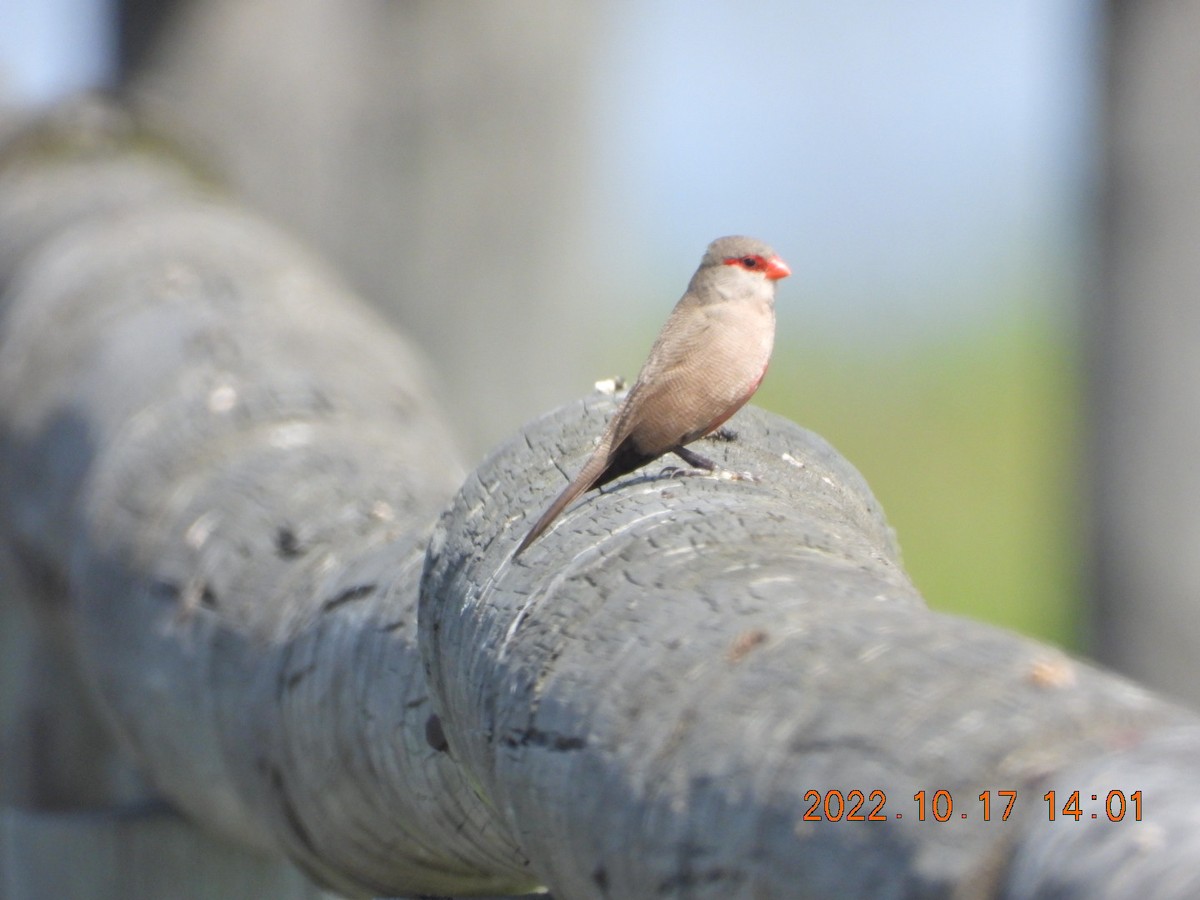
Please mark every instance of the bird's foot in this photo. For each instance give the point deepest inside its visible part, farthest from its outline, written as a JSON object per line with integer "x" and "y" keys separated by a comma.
{"x": 707, "y": 467}
{"x": 681, "y": 472}
{"x": 715, "y": 472}
{"x": 727, "y": 475}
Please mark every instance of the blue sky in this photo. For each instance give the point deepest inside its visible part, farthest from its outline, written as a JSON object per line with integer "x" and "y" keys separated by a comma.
{"x": 52, "y": 47}
{"x": 910, "y": 160}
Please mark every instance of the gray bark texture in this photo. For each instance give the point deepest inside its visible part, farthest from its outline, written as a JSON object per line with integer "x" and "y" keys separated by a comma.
{"x": 1144, "y": 352}
{"x": 219, "y": 474}
{"x": 218, "y": 468}
{"x": 683, "y": 660}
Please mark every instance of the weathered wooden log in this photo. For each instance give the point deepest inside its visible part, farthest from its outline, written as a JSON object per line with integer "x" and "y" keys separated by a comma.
{"x": 218, "y": 466}
{"x": 661, "y": 693}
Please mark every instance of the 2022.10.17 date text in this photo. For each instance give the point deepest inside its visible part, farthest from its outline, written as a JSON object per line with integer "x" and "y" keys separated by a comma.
{"x": 859, "y": 806}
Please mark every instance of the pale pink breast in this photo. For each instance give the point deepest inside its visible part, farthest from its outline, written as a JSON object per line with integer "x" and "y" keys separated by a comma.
{"x": 739, "y": 363}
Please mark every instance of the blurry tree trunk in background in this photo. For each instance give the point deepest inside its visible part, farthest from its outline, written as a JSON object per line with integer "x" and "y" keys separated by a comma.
{"x": 139, "y": 23}
{"x": 1145, "y": 351}
{"x": 433, "y": 151}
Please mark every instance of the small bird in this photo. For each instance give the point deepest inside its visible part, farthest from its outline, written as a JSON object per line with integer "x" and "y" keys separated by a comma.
{"x": 707, "y": 361}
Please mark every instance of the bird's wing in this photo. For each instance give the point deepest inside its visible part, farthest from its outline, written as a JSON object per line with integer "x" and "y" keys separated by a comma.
{"x": 672, "y": 359}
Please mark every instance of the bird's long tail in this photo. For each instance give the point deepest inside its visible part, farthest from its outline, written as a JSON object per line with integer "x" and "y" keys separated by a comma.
{"x": 601, "y": 468}
{"x": 588, "y": 476}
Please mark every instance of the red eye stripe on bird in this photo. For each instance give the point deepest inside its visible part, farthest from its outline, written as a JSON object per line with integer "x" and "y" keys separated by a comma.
{"x": 774, "y": 267}
{"x": 708, "y": 360}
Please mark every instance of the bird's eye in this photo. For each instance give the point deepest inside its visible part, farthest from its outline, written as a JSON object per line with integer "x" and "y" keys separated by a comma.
{"x": 749, "y": 262}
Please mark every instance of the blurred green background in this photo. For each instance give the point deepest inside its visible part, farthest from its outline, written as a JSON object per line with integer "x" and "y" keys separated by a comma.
{"x": 969, "y": 443}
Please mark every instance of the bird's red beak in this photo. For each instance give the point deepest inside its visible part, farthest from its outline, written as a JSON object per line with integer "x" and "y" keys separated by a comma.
{"x": 776, "y": 269}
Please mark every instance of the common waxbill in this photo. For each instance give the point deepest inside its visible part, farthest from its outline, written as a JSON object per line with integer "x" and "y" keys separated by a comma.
{"x": 707, "y": 361}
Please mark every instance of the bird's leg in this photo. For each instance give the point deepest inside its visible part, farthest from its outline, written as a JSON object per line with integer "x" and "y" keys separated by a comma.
{"x": 696, "y": 461}
{"x": 700, "y": 465}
